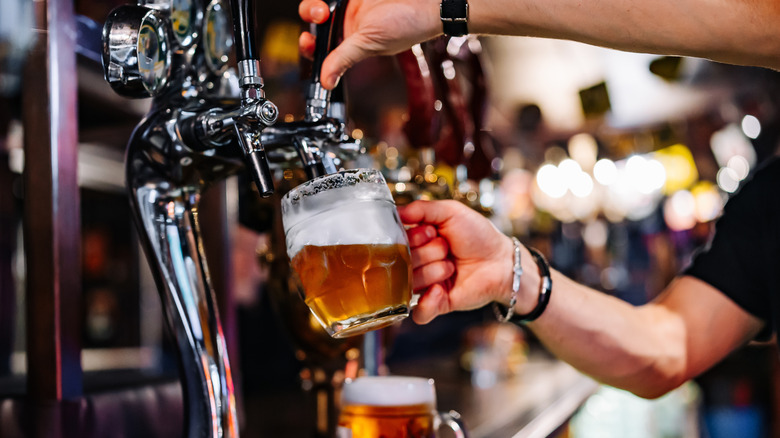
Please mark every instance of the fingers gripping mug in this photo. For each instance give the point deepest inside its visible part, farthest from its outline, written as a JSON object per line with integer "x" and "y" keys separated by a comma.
{"x": 393, "y": 407}
{"x": 349, "y": 248}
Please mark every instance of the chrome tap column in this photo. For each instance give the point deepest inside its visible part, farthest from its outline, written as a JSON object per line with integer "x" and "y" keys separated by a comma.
{"x": 176, "y": 52}
{"x": 206, "y": 123}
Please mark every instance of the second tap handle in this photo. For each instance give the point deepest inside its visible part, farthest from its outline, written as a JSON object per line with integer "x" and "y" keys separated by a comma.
{"x": 328, "y": 35}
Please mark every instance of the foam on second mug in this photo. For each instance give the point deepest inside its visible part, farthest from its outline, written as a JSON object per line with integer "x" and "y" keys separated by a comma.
{"x": 343, "y": 216}
{"x": 389, "y": 391}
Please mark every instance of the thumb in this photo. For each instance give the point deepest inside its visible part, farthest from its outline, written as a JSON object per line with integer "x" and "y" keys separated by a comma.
{"x": 344, "y": 56}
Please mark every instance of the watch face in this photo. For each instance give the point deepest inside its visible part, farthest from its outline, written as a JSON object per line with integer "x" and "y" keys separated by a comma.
{"x": 153, "y": 54}
{"x": 217, "y": 39}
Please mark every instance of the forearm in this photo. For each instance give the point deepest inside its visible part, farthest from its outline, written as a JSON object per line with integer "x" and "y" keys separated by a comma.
{"x": 640, "y": 349}
{"x": 739, "y": 32}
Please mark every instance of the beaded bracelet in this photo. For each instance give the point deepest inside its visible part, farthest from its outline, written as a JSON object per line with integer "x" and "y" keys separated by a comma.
{"x": 517, "y": 272}
{"x": 544, "y": 293}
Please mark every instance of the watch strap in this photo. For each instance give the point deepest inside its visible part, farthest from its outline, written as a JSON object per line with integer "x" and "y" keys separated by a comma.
{"x": 454, "y": 16}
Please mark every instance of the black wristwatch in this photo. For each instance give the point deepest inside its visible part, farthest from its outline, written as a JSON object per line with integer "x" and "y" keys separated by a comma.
{"x": 454, "y": 17}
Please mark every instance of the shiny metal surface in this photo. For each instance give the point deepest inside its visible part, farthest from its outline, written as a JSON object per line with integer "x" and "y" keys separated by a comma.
{"x": 205, "y": 123}
{"x": 317, "y": 103}
{"x": 217, "y": 40}
{"x": 170, "y": 222}
{"x": 165, "y": 178}
{"x": 136, "y": 51}
{"x": 320, "y": 140}
{"x": 249, "y": 73}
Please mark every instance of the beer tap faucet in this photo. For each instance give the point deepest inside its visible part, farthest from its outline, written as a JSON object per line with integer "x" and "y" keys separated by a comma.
{"x": 256, "y": 113}
{"x": 320, "y": 139}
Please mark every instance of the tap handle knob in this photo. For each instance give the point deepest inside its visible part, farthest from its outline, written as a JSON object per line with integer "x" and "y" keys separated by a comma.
{"x": 328, "y": 36}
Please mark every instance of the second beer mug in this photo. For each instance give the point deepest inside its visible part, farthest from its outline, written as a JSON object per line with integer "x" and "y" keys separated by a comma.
{"x": 348, "y": 247}
{"x": 393, "y": 407}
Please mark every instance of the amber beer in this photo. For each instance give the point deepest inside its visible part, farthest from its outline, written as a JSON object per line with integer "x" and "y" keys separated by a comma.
{"x": 345, "y": 281}
{"x": 350, "y": 251}
{"x": 388, "y": 406}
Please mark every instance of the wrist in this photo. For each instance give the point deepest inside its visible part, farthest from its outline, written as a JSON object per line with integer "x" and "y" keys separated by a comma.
{"x": 529, "y": 284}
{"x": 504, "y": 266}
{"x": 529, "y": 272}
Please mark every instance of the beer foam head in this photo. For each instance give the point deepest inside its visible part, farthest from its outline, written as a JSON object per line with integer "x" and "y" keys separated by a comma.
{"x": 389, "y": 391}
{"x": 346, "y": 208}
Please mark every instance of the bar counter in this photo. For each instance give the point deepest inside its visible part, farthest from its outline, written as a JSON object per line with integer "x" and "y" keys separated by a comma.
{"x": 533, "y": 404}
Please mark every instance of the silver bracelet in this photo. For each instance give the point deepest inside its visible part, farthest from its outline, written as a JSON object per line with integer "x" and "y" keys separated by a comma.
{"x": 517, "y": 272}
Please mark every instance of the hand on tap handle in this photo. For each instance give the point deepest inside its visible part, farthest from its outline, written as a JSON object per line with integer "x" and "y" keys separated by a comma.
{"x": 371, "y": 27}
{"x": 328, "y": 35}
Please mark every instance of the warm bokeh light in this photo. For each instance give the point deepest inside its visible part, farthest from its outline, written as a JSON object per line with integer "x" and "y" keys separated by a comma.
{"x": 404, "y": 174}
{"x": 645, "y": 176}
{"x": 728, "y": 180}
{"x": 679, "y": 211}
{"x": 595, "y": 234}
{"x": 679, "y": 166}
{"x": 584, "y": 150}
{"x": 708, "y": 201}
{"x": 570, "y": 171}
{"x": 729, "y": 142}
{"x": 740, "y": 166}
{"x": 582, "y": 185}
{"x": 550, "y": 181}
{"x": 751, "y": 126}
{"x": 605, "y": 171}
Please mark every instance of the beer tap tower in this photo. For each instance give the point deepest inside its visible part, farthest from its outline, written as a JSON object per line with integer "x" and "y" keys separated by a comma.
{"x": 205, "y": 124}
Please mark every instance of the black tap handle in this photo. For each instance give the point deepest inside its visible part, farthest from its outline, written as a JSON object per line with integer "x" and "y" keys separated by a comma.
{"x": 337, "y": 94}
{"x": 243, "y": 28}
{"x": 255, "y": 159}
{"x": 329, "y": 35}
{"x": 257, "y": 164}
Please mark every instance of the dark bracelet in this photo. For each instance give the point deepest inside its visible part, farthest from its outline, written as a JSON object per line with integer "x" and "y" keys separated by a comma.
{"x": 544, "y": 293}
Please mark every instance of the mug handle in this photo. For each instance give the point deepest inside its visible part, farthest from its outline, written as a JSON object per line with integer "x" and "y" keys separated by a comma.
{"x": 453, "y": 420}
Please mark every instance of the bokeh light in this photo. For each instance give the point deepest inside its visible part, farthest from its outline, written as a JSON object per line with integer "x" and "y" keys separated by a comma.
{"x": 605, "y": 171}
{"x": 727, "y": 179}
{"x": 679, "y": 211}
{"x": 751, "y": 126}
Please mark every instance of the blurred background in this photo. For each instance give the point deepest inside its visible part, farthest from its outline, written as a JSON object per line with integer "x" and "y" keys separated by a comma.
{"x": 615, "y": 165}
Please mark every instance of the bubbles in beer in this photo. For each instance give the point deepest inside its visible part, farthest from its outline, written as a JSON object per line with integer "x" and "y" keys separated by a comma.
{"x": 345, "y": 282}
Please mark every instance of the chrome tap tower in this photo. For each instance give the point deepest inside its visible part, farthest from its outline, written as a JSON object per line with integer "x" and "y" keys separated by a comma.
{"x": 206, "y": 123}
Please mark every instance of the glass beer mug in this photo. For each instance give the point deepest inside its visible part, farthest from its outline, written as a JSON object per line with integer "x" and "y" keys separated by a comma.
{"x": 348, "y": 247}
{"x": 393, "y": 407}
